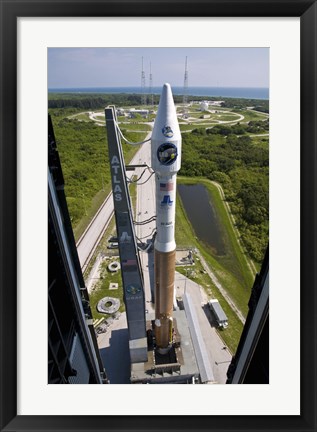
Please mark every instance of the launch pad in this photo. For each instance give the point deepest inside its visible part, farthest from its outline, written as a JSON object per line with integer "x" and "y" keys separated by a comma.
{"x": 177, "y": 366}
{"x": 165, "y": 346}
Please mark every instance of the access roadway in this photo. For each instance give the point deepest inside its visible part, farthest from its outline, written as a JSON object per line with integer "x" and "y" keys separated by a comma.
{"x": 145, "y": 210}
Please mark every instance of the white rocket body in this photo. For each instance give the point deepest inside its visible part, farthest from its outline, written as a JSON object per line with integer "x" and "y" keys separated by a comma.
{"x": 166, "y": 161}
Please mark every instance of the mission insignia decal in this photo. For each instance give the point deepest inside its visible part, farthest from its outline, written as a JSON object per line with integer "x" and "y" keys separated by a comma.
{"x": 167, "y": 132}
{"x": 167, "y": 153}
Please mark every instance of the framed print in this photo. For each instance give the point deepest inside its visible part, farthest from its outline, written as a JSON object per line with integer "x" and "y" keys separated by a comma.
{"x": 288, "y": 29}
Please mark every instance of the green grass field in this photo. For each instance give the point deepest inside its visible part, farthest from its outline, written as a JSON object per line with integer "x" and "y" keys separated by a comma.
{"x": 232, "y": 272}
{"x": 101, "y": 288}
{"x": 251, "y": 115}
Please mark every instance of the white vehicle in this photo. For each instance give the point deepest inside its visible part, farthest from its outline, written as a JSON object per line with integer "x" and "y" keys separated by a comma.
{"x": 113, "y": 245}
{"x": 218, "y": 313}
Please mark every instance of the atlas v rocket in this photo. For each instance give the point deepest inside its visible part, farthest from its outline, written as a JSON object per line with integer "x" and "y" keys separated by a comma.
{"x": 166, "y": 161}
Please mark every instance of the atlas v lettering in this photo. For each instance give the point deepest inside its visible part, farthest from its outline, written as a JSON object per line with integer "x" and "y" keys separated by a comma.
{"x": 117, "y": 189}
{"x": 115, "y": 168}
{"x": 114, "y": 160}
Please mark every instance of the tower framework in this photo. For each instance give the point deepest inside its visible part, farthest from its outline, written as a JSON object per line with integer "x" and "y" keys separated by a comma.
{"x": 151, "y": 87}
{"x": 185, "y": 91}
{"x": 143, "y": 94}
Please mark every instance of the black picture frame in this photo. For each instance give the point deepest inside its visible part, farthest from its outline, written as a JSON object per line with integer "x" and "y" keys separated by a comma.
{"x": 10, "y": 11}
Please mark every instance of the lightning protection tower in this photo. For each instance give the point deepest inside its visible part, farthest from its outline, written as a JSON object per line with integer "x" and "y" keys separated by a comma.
{"x": 185, "y": 99}
{"x": 151, "y": 87}
{"x": 143, "y": 95}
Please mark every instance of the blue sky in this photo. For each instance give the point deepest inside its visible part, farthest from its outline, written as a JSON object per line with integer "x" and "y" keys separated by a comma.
{"x": 121, "y": 67}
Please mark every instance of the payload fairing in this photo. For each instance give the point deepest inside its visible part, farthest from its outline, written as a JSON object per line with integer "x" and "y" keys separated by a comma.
{"x": 166, "y": 161}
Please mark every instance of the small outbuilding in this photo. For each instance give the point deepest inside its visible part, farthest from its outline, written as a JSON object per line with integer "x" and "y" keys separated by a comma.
{"x": 204, "y": 106}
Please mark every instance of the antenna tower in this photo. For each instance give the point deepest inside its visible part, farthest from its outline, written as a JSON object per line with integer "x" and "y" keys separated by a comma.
{"x": 185, "y": 100}
{"x": 143, "y": 95}
{"x": 151, "y": 87}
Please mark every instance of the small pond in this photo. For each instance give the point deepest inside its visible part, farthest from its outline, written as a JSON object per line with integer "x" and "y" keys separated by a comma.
{"x": 201, "y": 213}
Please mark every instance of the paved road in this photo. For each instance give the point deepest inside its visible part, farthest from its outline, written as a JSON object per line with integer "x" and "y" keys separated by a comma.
{"x": 88, "y": 242}
{"x": 145, "y": 209}
{"x": 114, "y": 345}
{"x": 218, "y": 353}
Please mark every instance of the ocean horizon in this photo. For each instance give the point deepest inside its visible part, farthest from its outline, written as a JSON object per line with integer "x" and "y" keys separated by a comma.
{"x": 229, "y": 92}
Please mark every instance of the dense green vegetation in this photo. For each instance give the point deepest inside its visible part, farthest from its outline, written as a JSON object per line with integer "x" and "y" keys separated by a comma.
{"x": 258, "y": 105}
{"x": 242, "y": 168}
{"x": 83, "y": 151}
{"x": 87, "y": 101}
{"x": 252, "y": 127}
{"x": 91, "y": 101}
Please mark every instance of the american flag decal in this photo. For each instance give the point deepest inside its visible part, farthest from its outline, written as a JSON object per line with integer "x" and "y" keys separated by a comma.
{"x": 166, "y": 187}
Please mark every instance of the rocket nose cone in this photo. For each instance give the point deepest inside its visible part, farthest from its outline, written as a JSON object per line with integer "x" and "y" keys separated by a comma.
{"x": 166, "y": 114}
{"x": 166, "y": 96}
{"x": 166, "y": 136}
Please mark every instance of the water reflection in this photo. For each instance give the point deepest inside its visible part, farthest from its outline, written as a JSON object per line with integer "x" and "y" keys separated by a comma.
{"x": 202, "y": 215}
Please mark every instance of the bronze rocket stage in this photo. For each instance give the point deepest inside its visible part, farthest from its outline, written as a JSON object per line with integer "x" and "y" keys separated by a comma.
{"x": 164, "y": 265}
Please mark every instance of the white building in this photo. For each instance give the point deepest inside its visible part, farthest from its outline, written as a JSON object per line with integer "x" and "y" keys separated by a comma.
{"x": 204, "y": 106}
{"x": 143, "y": 112}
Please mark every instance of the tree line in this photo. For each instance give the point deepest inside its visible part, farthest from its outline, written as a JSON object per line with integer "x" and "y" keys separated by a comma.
{"x": 91, "y": 102}
{"x": 87, "y": 101}
{"x": 83, "y": 150}
{"x": 240, "y": 103}
{"x": 253, "y": 127}
{"x": 242, "y": 169}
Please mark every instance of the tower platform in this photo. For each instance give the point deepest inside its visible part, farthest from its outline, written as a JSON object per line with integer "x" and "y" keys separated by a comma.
{"x": 178, "y": 366}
